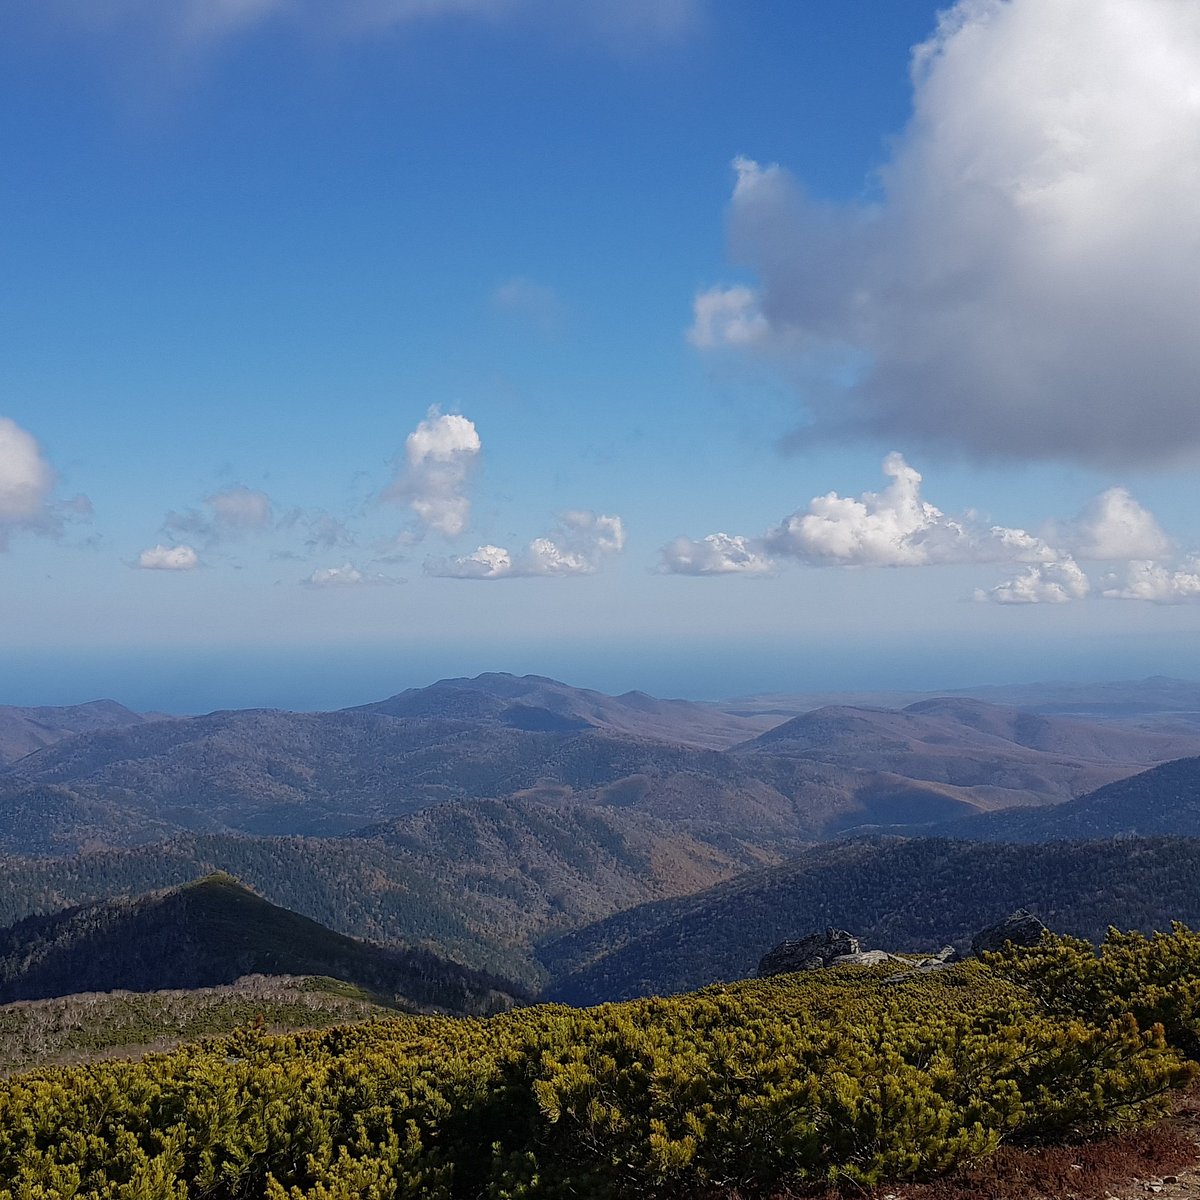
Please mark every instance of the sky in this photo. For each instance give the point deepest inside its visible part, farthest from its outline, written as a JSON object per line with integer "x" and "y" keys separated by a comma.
{"x": 683, "y": 345}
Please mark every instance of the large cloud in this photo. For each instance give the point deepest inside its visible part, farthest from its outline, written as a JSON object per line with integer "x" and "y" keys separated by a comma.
{"x": 896, "y": 528}
{"x": 26, "y": 481}
{"x": 577, "y": 547}
{"x": 440, "y": 455}
{"x": 1025, "y": 283}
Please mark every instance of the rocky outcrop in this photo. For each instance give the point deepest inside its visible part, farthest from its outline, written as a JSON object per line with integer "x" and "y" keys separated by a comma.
{"x": 840, "y": 948}
{"x": 809, "y": 953}
{"x": 946, "y": 957}
{"x": 1022, "y": 929}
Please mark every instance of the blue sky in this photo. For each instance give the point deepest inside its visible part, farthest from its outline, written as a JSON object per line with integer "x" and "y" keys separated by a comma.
{"x": 339, "y": 353}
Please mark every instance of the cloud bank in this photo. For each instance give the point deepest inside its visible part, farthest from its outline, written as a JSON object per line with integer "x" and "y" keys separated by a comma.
{"x": 1025, "y": 283}
{"x": 898, "y": 527}
{"x": 579, "y": 546}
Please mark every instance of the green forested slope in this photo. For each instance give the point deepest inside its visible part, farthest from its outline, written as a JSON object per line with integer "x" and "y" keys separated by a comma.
{"x": 215, "y": 931}
{"x": 895, "y": 894}
{"x": 477, "y": 880}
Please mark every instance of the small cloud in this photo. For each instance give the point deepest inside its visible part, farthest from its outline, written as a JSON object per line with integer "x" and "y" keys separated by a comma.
{"x": 488, "y": 562}
{"x": 577, "y": 547}
{"x": 347, "y": 575}
{"x": 26, "y": 481}
{"x": 231, "y": 512}
{"x": 537, "y": 303}
{"x": 1043, "y": 583}
{"x": 1159, "y": 583}
{"x": 168, "y": 558}
{"x": 716, "y": 554}
{"x": 327, "y": 533}
{"x": 728, "y": 317}
{"x": 240, "y": 507}
{"x": 440, "y": 455}
{"x": 78, "y": 508}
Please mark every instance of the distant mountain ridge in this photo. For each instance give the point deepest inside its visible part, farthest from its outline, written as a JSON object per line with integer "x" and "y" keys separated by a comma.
{"x": 1162, "y": 800}
{"x": 212, "y": 932}
{"x": 535, "y": 702}
{"x": 267, "y": 772}
{"x": 24, "y": 730}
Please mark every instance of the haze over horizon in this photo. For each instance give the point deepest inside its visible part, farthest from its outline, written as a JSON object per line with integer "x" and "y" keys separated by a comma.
{"x": 669, "y": 346}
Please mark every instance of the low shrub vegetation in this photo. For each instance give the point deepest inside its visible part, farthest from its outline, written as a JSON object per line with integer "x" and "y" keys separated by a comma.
{"x": 830, "y": 1077}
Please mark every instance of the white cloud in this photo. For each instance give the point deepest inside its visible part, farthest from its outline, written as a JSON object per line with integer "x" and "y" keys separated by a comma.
{"x": 488, "y": 562}
{"x": 1025, "y": 283}
{"x": 1115, "y": 527}
{"x": 896, "y": 528}
{"x": 168, "y": 558}
{"x": 577, "y": 547}
{"x": 1043, "y": 583}
{"x": 26, "y": 481}
{"x": 440, "y": 455}
{"x": 1159, "y": 584}
{"x": 715, "y": 554}
{"x": 728, "y": 317}
{"x": 347, "y": 575}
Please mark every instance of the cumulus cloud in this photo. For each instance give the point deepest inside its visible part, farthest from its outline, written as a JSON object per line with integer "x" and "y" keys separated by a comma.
{"x": 715, "y": 554}
{"x": 896, "y": 528}
{"x": 577, "y": 547}
{"x": 1159, "y": 583}
{"x": 728, "y": 317}
{"x": 1024, "y": 282}
{"x": 168, "y": 558}
{"x": 1043, "y": 583}
{"x": 440, "y": 455}
{"x": 1115, "y": 527}
{"x": 26, "y": 481}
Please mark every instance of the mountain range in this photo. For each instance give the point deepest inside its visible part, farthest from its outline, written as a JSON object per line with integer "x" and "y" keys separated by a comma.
{"x": 818, "y": 775}
{"x": 587, "y": 845}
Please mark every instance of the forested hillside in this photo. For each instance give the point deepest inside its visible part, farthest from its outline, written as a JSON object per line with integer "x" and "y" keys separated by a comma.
{"x": 479, "y": 880}
{"x": 918, "y": 894}
{"x": 1163, "y": 800}
{"x": 214, "y": 931}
